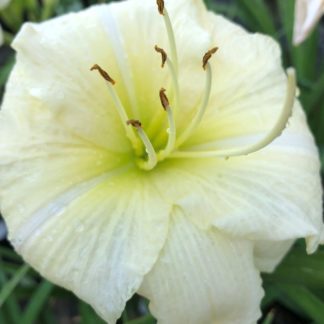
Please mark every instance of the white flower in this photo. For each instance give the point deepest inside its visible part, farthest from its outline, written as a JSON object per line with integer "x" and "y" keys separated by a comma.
{"x": 307, "y": 14}
{"x": 107, "y": 209}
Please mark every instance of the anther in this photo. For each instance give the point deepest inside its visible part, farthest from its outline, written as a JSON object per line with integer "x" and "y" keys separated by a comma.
{"x": 163, "y": 54}
{"x": 135, "y": 123}
{"x": 103, "y": 73}
{"x": 164, "y": 99}
{"x": 208, "y": 56}
{"x": 160, "y": 4}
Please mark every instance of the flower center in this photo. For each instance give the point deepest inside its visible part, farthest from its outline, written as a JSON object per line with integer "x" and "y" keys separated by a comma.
{"x": 147, "y": 156}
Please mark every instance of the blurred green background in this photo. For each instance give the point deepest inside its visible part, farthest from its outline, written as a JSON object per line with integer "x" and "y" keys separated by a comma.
{"x": 294, "y": 293}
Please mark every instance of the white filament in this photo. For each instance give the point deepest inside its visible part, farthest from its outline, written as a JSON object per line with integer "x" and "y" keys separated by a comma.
{"x": 204, "y": 104}
{"x": 172, "y": 134}
{"x": 122, "y": 114}
{"x": 171, "y": 37}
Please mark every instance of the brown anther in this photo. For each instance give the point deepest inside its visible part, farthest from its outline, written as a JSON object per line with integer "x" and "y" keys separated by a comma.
{"x": 160, "y": 4}
{"x": 135, "y": 123}
{"x": 163, "y": 54}
{"x": 208, "y": 55}
{"x": 103, "y": 73}
{"x": 164, "y": 99}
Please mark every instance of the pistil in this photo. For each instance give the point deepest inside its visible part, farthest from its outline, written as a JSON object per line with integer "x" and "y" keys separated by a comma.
{"x": 275, "y": 131}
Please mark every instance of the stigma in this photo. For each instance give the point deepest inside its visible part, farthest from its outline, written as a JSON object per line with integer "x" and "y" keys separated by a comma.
{"x": 147, "y": 155}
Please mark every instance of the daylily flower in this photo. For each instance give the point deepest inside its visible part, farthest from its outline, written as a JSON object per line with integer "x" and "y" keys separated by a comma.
{"x": 307, "y": 15}
{"x": 180, "y": 183}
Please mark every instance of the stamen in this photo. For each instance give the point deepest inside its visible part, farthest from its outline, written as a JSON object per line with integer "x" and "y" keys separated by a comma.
{"x": 172, "y": 70}
{"x": 151, "y": 154}
{"x": 172, "y": 133}
{"x": 103, "y": 73}
{"x": 208, "y": 84}
{"x": 164, "y": 99}
{"x": 163, "y": 54}
{"x": 160, "y": 4}
{"x": 169, "y": 28}
{"x": 275, "y": 132}
{"x": 208, "y": 56}
{"x": 119, "y": 106}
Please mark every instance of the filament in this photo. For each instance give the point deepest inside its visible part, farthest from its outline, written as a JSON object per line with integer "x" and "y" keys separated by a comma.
{"x": 118, "y": 105}
{"x": 175, "y": 82}
{"x": 197, "y": 119}
{"x": 172, "y": 133}
{"x": 165, "y": 59}
{"x": 171, "y": 37}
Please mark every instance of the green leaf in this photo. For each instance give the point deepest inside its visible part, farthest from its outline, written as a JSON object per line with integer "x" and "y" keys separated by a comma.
{"x": 315, "y": 97}
{"x": 300, "y": 269}
{"x": 269, "y": 318}
{"x": 305, "y": 300}
{"x": 148, "y": 319}
{"x": 11, "y": 307}
{"x": 305, "y": 57}
{"x": 88, "y": 315}
{"x": 259, "y": 14}
{"x": 38, "y": 299}
{"x": 9, "y": 287}
{"x": 5, "y": 70}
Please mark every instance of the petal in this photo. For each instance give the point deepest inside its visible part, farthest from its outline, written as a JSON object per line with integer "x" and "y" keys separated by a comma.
{"x": 203, "y": 277}
{"x": 40, "y": 156}
{"x": 307, "y": 15}
{"x": 268, "y": 254}
{"x": 97, "y": 240}
{"x": 76, "y": 97}
{"x": 274, "y": 194}
{"x": 75, "y": 210}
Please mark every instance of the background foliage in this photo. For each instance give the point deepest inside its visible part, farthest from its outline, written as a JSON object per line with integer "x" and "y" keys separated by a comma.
{"x": 294, "y": 293}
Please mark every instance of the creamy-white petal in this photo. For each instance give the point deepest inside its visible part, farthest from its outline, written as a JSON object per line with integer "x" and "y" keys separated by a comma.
{"x": 247, "y": 93}
{"x": 203, "y": 277}
{"x": 98, "y": 241}
{"x": 268, "y": 254}
{"x": 274, "y": 194}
